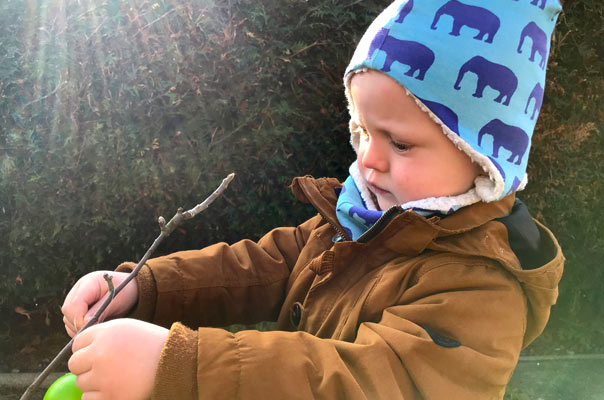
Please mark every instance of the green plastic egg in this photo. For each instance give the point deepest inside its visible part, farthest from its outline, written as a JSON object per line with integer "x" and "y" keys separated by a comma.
{"x": 64, "y": 388}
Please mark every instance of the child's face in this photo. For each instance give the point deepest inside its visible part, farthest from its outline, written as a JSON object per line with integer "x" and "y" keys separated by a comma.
{"x": 404, "y": 155}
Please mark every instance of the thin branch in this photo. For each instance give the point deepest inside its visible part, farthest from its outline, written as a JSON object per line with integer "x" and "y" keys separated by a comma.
{"x": 98, "y": 28}
{"x": 303, "y": 49}
{"x": 156, "y": 20}
{"x": 47, "y": 96}
{"x": 165, "y": 230}
{"x": 109, "y": 280}
{"x": 202, "y": 206}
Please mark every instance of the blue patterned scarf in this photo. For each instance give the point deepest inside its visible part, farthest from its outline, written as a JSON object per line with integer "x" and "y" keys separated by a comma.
{"x": 352, "y": 211}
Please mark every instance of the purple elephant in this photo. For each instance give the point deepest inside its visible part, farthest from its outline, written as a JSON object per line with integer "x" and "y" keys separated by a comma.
{"x": 536, "y": 94}
{"x": 474, "y": 17}
{"x": 539, "y": 39}
{"x": 404, "y": 12}
{"x": 535, "y": 2}
{"x": 507, "y": 136}
{"x": 417, "y": 56}
{"x": 444, "y": 113}
{"x": 497, "y": 76}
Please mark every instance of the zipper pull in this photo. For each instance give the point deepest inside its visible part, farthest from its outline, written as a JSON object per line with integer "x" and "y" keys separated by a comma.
{"x": 337, "y": 238}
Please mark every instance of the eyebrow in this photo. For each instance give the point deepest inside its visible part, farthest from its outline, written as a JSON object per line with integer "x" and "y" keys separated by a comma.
{"x": 401, "y": 135}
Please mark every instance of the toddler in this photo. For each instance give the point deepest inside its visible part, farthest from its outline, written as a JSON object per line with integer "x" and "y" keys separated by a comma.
{"x": 421, "y": 276}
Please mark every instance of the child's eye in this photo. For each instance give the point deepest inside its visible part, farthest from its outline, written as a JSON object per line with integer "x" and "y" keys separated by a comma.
{"x": 364, "y": 133}
{"x": 400, "y": 146}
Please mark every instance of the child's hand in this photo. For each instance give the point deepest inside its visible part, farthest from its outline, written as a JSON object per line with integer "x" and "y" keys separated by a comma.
{"x": 88, "y": 295}
{"x": 117, "y": 360}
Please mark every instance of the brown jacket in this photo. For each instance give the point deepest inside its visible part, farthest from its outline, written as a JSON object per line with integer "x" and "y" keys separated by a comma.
{"x": 424, "y": 309}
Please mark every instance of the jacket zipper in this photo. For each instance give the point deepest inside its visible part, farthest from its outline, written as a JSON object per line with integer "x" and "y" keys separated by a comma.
{"x": 372, "y": 232}
{"x": 339, "y": 232}
{"x": 380, "y": 224}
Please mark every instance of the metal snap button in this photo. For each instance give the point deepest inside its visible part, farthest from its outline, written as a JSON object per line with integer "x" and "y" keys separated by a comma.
{"x": 295, "y": 314}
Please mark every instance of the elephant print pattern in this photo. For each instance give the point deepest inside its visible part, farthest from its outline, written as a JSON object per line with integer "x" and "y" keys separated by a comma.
{"x": 541, "y": 3}
{"x": 539, "y": 45}
{"x": 418, "y": 57}
{"x": 537, "y": 95}
{"x": 404, "y": 12}
{"x": 444, "y": 113}
{"x": 507, "y": 136}
{"x": 498, "y": 77}
{"x": 474, "y": 17}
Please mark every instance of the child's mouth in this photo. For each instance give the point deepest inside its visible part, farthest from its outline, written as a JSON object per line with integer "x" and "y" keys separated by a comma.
{"x": 377, "y": 189}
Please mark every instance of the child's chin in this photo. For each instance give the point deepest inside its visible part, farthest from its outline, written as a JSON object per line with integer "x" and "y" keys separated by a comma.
{"x": 384, "y": 204}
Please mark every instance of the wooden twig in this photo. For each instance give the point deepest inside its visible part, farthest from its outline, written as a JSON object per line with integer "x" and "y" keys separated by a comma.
{"x": 165, "y": 230}
{"x": 47, "y": 96}
{"x": 156, "y": 20}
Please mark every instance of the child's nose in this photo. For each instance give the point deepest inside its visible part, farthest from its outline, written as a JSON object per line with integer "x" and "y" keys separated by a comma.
{"x": 374, "y": 155}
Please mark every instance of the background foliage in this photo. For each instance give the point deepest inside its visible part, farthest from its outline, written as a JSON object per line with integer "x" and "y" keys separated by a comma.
{"x": 115, "y": 112}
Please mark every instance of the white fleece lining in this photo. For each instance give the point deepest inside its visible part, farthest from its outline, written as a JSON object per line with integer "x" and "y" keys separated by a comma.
{"x": 485, "y": 188}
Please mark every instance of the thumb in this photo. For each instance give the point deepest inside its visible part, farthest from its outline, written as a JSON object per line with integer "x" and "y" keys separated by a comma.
{"x": 92, "y": 310}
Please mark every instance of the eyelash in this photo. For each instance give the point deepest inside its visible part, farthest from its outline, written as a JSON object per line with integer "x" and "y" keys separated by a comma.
{"x": 400, "y": 146}
{"x": 397, "y": 145}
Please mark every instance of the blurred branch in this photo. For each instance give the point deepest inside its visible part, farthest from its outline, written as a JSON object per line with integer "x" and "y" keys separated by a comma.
{"x": 156, "y": 20}
{"x": 48, "y": 95}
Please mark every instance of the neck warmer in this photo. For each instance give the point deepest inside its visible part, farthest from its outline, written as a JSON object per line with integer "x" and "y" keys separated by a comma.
{"x": 352, "y": 211}
{"x": 477, "y": 68}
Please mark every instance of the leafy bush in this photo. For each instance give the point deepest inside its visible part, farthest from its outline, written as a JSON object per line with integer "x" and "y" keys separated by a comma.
{"x": 113, "y": 113}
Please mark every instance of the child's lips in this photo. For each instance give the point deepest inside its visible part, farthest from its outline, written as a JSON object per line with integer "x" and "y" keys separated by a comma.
{"x": 377, "y": 190}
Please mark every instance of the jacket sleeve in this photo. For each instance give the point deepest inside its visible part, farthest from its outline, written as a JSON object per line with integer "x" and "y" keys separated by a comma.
{"x": 220, "y": 284}
{"x": 456, "y": 334}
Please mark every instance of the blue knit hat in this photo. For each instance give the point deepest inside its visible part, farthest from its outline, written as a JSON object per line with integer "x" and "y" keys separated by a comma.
{"x": 478, "y": 69}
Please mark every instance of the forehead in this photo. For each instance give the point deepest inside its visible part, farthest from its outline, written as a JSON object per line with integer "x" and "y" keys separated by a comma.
{"x": 378, "y": 97}
{"x": 375, "y": 82}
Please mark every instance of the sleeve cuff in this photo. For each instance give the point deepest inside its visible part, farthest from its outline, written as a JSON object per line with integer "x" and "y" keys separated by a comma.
{"x": 176, "y": 376}
{"x": 144, "y": 309}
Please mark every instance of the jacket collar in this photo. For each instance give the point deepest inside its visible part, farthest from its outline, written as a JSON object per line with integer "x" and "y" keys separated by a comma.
{"x": 321, "y": 194}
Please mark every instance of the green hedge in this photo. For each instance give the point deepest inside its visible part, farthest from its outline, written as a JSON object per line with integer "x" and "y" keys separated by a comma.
{"x": 116, "y": 112}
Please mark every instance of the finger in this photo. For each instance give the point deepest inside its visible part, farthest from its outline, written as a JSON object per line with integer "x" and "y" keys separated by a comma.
{"x": 73, "y": 314}
{"x": 86, "y": 382}
{"x": 68, "y": 325}
{"x": 79, "y": 299}
{"x": 72, "y": 325}
{"x": 80, "y": 362}
{"x": 93, "y": 396}
{"x": 122, "y": 302}
{"x": 86, "y": 293}
{"x": 70, "y": 332}
{"x": 84, "y": 339}
{"x": 92, "y": 310}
